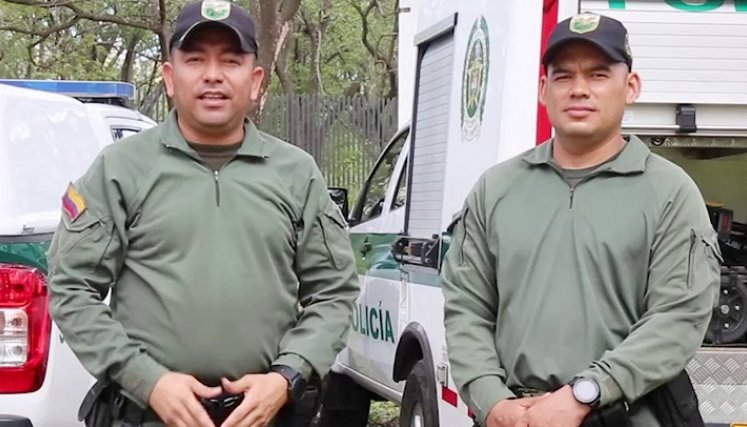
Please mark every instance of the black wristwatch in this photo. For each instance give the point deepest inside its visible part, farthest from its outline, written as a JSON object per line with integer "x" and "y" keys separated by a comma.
{"x": 586, "y": 391}
{"x": 296, "y": 383}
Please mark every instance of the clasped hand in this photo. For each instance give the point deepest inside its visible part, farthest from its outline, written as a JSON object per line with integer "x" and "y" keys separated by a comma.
{"x": 175, "y": 399}
{"x": 556, "y": 409}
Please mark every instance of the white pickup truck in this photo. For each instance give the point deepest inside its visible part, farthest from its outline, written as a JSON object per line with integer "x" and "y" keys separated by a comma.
{"x": 46, "y": 141}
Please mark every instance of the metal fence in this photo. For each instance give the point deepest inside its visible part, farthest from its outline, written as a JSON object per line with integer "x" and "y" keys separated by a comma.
{"x": 344, "y": 134}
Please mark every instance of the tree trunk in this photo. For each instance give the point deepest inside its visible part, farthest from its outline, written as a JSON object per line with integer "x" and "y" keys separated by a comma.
{"x": 292, "y": 101}
{"x": 164, "y": 34}
{"x": 274, "y": 25}
{"x": 385, "y": 59}
{"x": 316, "y": 31}
{"x": 282, "y": 71}
{"x": 315, "y": 71}
{"x": 128, "y": 66}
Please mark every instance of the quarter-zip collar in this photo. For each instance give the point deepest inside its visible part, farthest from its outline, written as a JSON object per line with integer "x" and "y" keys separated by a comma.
{"x": 631, "y": 160}
{"x": 252, "y": 146}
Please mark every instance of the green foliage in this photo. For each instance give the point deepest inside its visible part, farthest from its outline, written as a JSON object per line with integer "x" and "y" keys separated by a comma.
{"x": 383, "y": 414}
{"x": 89, "y": 49}
{"x": 346, "y": 66}
{"x": 51, "y": 43}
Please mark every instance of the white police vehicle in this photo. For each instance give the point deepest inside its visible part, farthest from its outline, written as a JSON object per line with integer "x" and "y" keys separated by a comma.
{"x": 106, "y": 102}
{"x": 47, "y": 140}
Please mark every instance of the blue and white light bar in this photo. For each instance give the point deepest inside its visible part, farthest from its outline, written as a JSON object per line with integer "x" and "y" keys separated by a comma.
{"x": 78, "y": 88}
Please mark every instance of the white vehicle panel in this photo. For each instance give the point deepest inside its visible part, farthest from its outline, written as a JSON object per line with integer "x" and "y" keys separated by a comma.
{"x": 370, "y": 349}
{"x": 56, "y": 403}
{"x": 40, "y": 123}
{"x": 426, "y": 308}
{"x": 509, "y": 117}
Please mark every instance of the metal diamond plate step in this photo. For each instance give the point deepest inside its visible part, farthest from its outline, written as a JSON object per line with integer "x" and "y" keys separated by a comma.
{"x": 720, "y": 379}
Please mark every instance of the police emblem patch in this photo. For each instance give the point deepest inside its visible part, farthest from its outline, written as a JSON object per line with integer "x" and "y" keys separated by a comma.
{"x": 584, "y": 23}
{"x": 216, "y": 9}
{"x": 475, "y": 80}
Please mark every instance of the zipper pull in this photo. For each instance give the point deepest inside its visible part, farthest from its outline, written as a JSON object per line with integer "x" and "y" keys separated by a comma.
{"x": 217, "y": 188}
{"x": 570, "y": 202}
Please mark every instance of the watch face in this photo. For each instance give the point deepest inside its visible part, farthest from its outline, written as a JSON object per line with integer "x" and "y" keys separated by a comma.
{"x": 585, "y": 390}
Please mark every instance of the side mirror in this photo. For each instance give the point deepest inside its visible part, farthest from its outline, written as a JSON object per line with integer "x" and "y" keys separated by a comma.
{"x": 339, "y": 195}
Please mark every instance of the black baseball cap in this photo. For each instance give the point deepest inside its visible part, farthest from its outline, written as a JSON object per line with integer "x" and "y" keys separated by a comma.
{"x": 220, "y": 12}
{"x": 606, "y": 33}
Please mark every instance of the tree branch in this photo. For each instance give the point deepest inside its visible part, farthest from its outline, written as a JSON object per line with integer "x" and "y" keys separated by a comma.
{"x": 127, "y": 71}
{"x": 289, "y": 9}
{"x": 38, "y": 33}
{"x": 41, "y": 3}
{"x": 366, "y": 31}
{"x": 384, "y": 59}
{"x": 306, "y": 28}
{"x": 111, "y": 19}
{"x": 330, "y": 58}
{"x": 391, "y": 72}
{"x": 162, "y": 16}
{"x": 281, "y": 69}
{"x": 163, "y": 33}
{"x": 82, "y": 14}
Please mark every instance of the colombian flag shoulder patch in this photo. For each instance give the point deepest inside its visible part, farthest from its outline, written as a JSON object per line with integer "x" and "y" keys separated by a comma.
{"x": 73, "y": 203}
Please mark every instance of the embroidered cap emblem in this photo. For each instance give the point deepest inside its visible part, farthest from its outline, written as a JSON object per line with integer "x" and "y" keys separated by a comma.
{"x": 584, "y": 23}
{"x": 216, "y": 10}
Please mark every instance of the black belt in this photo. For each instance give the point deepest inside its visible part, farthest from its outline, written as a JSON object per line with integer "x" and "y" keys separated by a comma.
{"x": 218, "y": 409}
{"x": 523, "y": 392}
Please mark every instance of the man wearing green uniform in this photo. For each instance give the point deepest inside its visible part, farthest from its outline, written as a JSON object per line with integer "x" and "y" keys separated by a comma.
{"x": 231, "y": 274}
{"x": 582, "y": 273}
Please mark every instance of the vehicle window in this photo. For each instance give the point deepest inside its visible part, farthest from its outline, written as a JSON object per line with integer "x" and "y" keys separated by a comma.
{"x": 121, "y": 133}
{"x": 400, "y": 193}
{"x": 43, "y": 147}
{"x": 372, "y": 199}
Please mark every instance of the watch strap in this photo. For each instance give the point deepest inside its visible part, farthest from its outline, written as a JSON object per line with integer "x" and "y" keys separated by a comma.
{"x": 296, "y": 382}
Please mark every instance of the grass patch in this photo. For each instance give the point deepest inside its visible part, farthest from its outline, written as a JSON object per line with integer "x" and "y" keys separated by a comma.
{"x": 383, "y": 414}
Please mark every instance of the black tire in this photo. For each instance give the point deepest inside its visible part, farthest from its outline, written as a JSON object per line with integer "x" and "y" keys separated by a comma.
{"x": 419, "y": 401}
{"x": 729, "y": 321}
{"x": 344, "y": 403}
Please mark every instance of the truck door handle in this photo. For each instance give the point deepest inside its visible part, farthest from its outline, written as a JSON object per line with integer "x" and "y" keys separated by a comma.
{"x": 365, "y": 247}
{"x": 418, "y": 251}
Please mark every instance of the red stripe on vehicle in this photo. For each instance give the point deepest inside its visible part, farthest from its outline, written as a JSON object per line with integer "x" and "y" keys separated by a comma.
{"x": 449, "y": 396}
{"x": 549, "y": 20}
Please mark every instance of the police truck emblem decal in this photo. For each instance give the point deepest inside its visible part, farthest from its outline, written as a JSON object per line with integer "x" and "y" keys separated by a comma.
{"x": 584, "y": 23}
{"x": 475, "y": 80}
{"x": 216, "y": 9}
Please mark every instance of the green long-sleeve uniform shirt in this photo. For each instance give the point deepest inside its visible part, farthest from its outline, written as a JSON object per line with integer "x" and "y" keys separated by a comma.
{"x": 206, "y": 268}
{"x": 613, "y": 278}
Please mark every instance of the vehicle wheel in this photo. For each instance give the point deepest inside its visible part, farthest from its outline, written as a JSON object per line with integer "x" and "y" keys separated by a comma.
{"x": 729, "y": 321}
{"x": 419, "y": 402}
{"x": 344, "y": 403}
